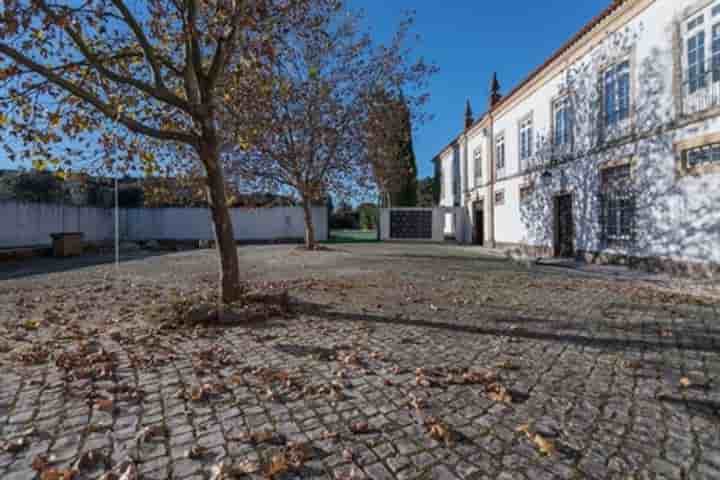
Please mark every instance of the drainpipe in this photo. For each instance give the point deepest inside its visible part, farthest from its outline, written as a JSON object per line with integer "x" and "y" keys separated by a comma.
{"x": 464, "y": 188}
{"x": 493, "y": 177}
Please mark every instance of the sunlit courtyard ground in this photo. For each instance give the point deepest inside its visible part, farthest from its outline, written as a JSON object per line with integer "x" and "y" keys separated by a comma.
{"x": 393, "y": 361}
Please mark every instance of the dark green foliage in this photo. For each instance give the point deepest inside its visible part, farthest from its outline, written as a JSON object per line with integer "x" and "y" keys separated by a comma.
{"x": 131, "y": 197}
{"x": 37, "y": 187}
{"x": 408, "y": 194}
{"x": 426, "y": 195}
{"x": 390, "y": 148}
{"x": 368, "y": 214}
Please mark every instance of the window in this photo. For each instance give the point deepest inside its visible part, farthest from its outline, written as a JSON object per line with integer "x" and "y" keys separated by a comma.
{"x": 696, "y": 22}
{"x": 716, "y": 53}
{"x": 617, "y": 93}
{"x": 701, "y": 60}
{"x": 500, "y": 197}
{"x": 618, "y": 206}
{"x": 477, "y": 158}
{"x": 697, "y": 157}
{"x": 696, "y": 61}
{"x": 562, "y": 122}
{"x": 526, "y": 192}
{"x": 526, "y": 141}
{"x": 500, "y": 155}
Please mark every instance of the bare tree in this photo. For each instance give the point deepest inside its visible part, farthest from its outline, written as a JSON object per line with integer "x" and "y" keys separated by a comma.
{"x": 308, "y": 135}
{"x": 132, "y": 82}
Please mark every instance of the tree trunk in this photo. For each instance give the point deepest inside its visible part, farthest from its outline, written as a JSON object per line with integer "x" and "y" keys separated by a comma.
{"x": 230, "y": 289}
{"x": 309, "y": 229}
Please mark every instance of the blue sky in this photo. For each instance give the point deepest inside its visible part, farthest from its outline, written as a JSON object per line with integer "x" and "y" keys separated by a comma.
{"x": 468, "y": 40}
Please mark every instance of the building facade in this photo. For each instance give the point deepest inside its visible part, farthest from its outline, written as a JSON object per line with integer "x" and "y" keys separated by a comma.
{"x": 610, "y": 150}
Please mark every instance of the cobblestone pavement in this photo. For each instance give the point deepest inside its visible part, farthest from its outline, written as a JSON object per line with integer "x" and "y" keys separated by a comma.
{"x": 396, "y": 362}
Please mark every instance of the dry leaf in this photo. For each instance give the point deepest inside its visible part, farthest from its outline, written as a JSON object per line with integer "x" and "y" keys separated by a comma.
{"x": 545, "y": 446}
{"x": 15, "y": 446}
{"x": 278, "y": 465}
{"x": 39, "y": 463}
{"x": 31, "y": 324}
{"x": 61, "y": 474}
{"x": 196, "y": 452}
{"x": 634, "y": 364}
{"x": 104, "y": 404}
{"x": 89, "y": 459}
{"x": 507, "y": 365}
{"x": 360, "y": 427}
{"x": 329, "y": 435}
{"x": 130, "y": 473}
{"x": 440, "y": 432}
{"x": 219, "y": 471}
{"x": 525, "y": 428}
{"x": 498, "y": 393}
{"x": 347, "y": 455}
{"x": 247, "y": 467}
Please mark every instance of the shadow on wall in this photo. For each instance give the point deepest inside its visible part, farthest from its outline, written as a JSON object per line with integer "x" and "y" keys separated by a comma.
{"x": 650, "y": 212}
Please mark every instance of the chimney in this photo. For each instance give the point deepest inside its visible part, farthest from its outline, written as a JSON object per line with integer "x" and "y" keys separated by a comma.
{"x": 495, "y": 95}
{"x": 468, "y": 115}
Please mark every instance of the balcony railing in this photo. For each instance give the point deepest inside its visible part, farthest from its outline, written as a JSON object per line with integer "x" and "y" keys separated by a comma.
{"x": 701, "y": 90}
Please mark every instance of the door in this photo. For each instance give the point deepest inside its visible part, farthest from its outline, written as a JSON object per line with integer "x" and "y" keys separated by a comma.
{"x": 479, "y": 228}
{"x": 564, "y": 227}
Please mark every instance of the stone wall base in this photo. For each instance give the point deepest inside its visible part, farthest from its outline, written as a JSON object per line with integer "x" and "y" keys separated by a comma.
{"x": 682, "y": 268}
{"x": 523, "y": 250}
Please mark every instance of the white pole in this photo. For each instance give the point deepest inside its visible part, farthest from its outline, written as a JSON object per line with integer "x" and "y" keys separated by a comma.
{"x": 117, "y": 229}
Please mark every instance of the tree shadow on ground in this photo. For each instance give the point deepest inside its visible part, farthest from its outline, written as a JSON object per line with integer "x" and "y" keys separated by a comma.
{"x": 17, "y": 269}
{"x": 556, "y": 332}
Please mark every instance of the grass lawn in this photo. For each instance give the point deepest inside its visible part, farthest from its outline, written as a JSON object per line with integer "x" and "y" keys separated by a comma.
{"x": 352, "y": 236}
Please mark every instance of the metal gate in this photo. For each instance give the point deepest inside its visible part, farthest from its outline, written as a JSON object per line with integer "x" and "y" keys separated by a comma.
{"x": 411, "y": 224}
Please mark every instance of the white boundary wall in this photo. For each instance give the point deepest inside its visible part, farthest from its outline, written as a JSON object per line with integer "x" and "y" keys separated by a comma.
{"x": 281, "y": 223}
{"x": 25, "y": 224}
{"x": 30, "y": 224}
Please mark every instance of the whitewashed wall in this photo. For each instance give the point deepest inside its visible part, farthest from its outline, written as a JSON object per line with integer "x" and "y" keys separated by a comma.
{"x": 30, "y": 224}
{"x": 280, "y": 223}
{"x": 24, "y": 224}
{"x": 677, "y": 217}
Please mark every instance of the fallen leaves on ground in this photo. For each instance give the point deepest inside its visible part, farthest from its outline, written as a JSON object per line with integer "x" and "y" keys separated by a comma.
{"x": 90, "y": 459}
{"x": 260, "y": 436}
{"x": 545, "y": 446}
{"x": 439, "y": 431}
{"x": 360, "y": 427}
{"x": 151, "y": 433}
{"x": 15, "y": 446}
{"x": 291, "y": 458}
{"x": 35, "y": 354}
{"x": 88, "y": 360}
{"x": 62, "y": 474}
{"x": 105, "y": 404}
{"x": 130, "y": 473}
{"x": 31, "y": 324}
{"x": 498, "y": 393}
{"x": 196, "y": 452}
{"x": 632, "y": 364}
{"x": 199, "y": 393}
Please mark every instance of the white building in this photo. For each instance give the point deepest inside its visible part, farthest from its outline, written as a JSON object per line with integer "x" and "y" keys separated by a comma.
{"x": 610, "y": 150}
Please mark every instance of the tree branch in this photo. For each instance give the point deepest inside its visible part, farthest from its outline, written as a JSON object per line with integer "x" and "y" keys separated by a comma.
{"x": 103, "y": 107}
{"x": 143, "y": 41}
{"x": 159, "y": 92}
